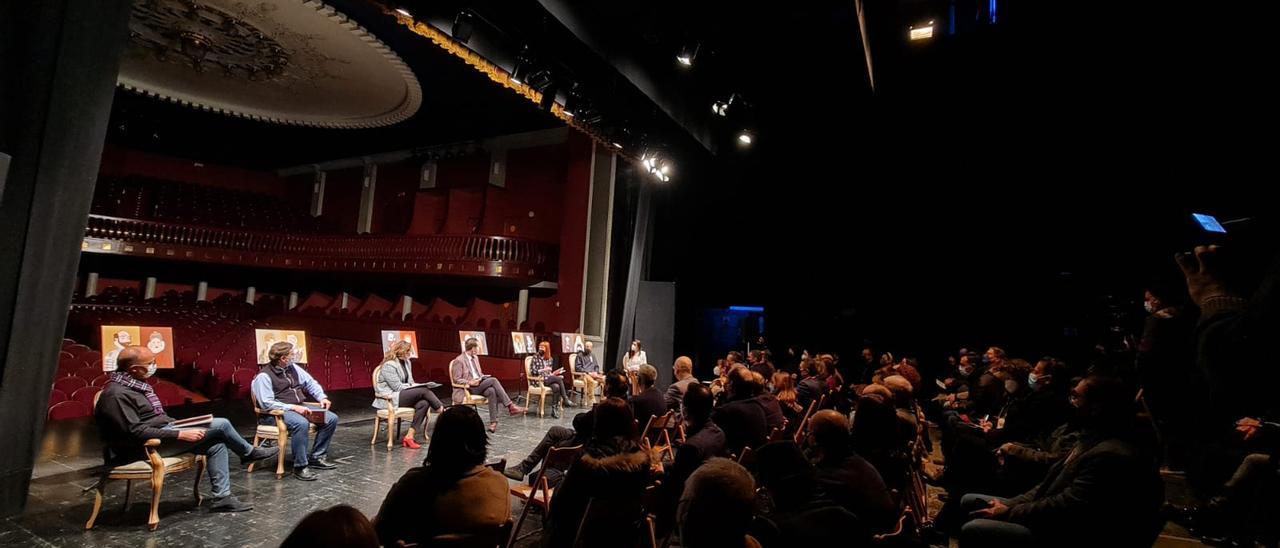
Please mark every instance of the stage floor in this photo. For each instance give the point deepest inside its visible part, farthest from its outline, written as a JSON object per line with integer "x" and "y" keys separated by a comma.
{"x": 57, "y": 507}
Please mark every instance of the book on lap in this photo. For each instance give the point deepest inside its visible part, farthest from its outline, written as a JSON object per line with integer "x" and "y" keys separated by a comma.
{"x": 193, "y": 422}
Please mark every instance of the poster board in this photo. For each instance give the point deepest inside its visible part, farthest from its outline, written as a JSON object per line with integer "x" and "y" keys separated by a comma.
{"x": 264, "y": 338}
{"x": 478, "y": 336}
{"x": 390, "y": 337}
{"x": 524, "y": 343}
{"x": 158, "y": 339}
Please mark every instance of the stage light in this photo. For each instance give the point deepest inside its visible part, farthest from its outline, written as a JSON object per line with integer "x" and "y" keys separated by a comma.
{"x": 548, "y": 95}
{"x": 463, "y": 26}
{"x": 573, "y": 101}
{"x": 921, "y": 33}
{"x": 404, "y": 12}
{"x": 616, "y": 145}
{"x": 687, "y": 54}
{"x": 721, "y": 108}
{"x": 521, "y": 70}
{"x": 744, "y": 138}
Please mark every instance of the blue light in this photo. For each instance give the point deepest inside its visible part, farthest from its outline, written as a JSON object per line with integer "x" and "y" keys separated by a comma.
{"x": 991, "y": 9}
{"x": 746, "y": 308}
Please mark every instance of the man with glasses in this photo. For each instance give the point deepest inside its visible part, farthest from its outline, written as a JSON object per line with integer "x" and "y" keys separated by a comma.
{"x": 129, "y": 413}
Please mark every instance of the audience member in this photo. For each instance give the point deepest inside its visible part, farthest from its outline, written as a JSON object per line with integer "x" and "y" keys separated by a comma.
{"x": 616, "y": 385}
{"x": 847, "y": 478}
{"x": 452, "y": 492}
{"x": 683, "y": 371}
{"x": 716, "y": 507}
{"x": 649, "y": 402}
{"x": 338, "y": 527}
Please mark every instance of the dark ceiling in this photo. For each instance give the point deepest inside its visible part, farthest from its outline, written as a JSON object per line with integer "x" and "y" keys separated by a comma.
{"x": 458, "y": 104}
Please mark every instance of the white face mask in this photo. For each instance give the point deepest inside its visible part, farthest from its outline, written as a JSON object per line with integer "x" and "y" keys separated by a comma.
{"x": 1146, "y": 305}
{"x": 151, "y": 369}
{"x": 1010, "y": 386}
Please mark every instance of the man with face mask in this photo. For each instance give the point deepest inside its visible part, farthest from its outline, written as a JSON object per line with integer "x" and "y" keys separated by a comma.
{"x": 129, "y": 413}
{"x": 1107, "y": 491}
{"x": 589, "y": 367}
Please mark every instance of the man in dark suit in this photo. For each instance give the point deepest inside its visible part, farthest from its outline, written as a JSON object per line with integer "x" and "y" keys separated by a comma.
{"x": 742, "y": 418}
{"x": 703, "y": 441}
{"x": 1106, "y": 492}
{"x": 847, "y": 478}
{"x": 810, "y": 387}
{"x": 649, "y": 402}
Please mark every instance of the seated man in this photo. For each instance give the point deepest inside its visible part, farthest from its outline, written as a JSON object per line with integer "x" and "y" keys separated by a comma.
{"x": 683, "y": 370}
{"x": 802, "y": 515}
{"x": 742, "y": 418}
{"x": 590, "y": 368}
{"x": 616, "y": 385}
{"x": 465, "y": 371}
{"x": 809, "y": 388}
{"x": 847, "y": 478}
{"x": 129, "y": 413}
{"x": 715, "y": 508}
{"x": 284, "y": 386}
{"x": 649, "y": 402}
{"x": 703, "y": 441}
{"x": 1106, "y": 492}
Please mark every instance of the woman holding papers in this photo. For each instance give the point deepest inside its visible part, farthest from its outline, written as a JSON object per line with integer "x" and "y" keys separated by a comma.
{"x": 395, "y": 382}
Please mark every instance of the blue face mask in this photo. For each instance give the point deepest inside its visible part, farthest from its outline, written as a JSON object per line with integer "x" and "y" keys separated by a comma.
{"x": 986, "y": 360}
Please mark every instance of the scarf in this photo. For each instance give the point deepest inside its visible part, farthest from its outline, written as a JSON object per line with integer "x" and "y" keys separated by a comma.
{"x": 124, "y": 379}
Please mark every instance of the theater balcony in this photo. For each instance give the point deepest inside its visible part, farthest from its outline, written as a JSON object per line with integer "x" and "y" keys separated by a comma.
{"x": 520, "y": 261}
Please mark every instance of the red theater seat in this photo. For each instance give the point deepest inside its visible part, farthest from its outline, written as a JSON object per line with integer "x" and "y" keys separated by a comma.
{"x": 85, "y": 395}
{"x": 100, "y": 380}
{"x": 77, "y": 349}
{"x": 57, "y": 396}
{"x": 70, "y": 384}
{"x": 69, "y": 410}
{"x": 92, "y": 357}
{"x": 64, "y": 355}
{"x": 88, "y": 373}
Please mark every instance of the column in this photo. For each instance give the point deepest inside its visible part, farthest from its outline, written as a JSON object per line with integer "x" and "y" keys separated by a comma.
{"x": 91, "y": 285}
{"x": 293, "y": 300}
{"x": 250, "y": 295}
{"x": 149, "y": 291}
{"x": 202, "y": 291}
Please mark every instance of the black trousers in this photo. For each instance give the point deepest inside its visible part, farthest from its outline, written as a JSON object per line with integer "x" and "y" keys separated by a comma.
{"x": 421, "y": 399}
{"x": 556, "y": 436}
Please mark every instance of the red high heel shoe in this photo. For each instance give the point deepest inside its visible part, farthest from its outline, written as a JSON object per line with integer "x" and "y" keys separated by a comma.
{"x": 408, "y": 442}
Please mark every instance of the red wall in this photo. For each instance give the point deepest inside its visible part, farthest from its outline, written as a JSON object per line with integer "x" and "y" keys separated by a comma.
{"x": 573, "y": 235}
{"x": 162, "y": 288}
{"x": 119, "y": 162}
{"x": 393, "y": 198}
{"x": 465, "y": 208}
{"x": 429, "y": 208}
{"x": 535, "y": 181}
{"x": 342, "y": 198}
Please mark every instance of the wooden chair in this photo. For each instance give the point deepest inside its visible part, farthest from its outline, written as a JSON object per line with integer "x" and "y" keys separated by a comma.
{"x": 583, "y": 383}
{"x": 277, "y": 431}
{"x": 474, "y": 400}
{"x": 393, "y": 412}
{"x": 804, "y": 423}
{"x": 493, "y": 538}
{"x": 154, "y": 469}
{"x": 779, "y": 433}
{"x": 539, "y": 494}
{"x": 535, "y": 386}
{"x": 657, "y": 432}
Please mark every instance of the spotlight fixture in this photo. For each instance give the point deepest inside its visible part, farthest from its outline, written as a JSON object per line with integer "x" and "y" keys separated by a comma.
{"x": 744, "y": 138}
{"x": 721, "y": 108}
{"x": 657, "y": 164}
{"x": 687, "y": 54}
{"x": 548, "y": 89}
{"x": 923, "y": 32}
{"x": 521, "y": 70}
{"x": 574, "y": 101}
{"x": 404, "y": 12}
{"x": 463, "y": 26}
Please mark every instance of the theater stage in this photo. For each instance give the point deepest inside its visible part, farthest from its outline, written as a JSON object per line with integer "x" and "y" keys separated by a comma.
{"x": 58, "y": 507}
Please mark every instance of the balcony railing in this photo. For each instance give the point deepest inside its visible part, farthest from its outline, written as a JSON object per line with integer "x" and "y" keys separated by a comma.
{"x": 449, "y": 254}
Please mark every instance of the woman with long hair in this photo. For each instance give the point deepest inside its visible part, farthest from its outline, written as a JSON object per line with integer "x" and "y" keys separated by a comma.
{"x": 395, "y": 381}
{"x": 453, "y": 492}
{"x": 784, "y": 388}
{"x": 631, "y": 362}
{"x": 543, "y": 366}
